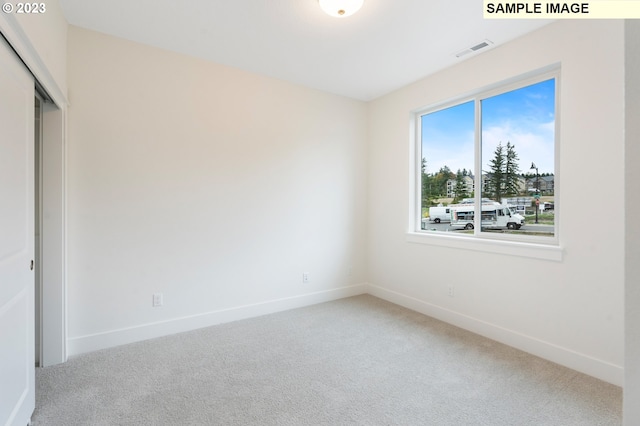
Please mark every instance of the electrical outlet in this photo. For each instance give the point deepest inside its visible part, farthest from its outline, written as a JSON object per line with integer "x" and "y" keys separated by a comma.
{"x": 451, "y": 291}
{"x": 157, "y": 300}
{"x": 305, "y": 277}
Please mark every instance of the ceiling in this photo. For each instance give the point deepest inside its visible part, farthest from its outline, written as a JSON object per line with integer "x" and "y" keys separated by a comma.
{"x": 386, "y": 45}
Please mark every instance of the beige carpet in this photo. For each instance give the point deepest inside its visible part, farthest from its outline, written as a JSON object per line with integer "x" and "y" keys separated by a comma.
{"x": 355, "y": 361}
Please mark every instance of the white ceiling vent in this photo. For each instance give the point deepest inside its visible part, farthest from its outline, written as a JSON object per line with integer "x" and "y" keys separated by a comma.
{"x": 482, "y": 45}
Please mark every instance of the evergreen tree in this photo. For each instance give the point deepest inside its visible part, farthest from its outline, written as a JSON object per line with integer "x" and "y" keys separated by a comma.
{"x": 504, "y": 174}
{"x": 440, "y": 181}
{"x": 512, "y": 182}
{"x": 425, "y": 183}
{"x": 496, "y": 179}
{"x": 461, "y": 186}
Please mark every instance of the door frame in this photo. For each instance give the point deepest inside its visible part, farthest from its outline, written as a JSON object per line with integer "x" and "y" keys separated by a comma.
{"x": 53, "y": 267}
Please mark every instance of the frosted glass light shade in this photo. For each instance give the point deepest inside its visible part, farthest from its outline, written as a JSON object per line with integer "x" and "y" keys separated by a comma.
{"x": 340, "y": 8}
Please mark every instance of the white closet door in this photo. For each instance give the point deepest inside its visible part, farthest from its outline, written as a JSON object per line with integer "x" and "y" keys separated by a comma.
{"x": 17, "y": 353}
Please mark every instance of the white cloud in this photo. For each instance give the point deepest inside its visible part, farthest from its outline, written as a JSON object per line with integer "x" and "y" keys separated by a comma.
{"x": 455, "y": 152}
{"x": 532, "y": 144}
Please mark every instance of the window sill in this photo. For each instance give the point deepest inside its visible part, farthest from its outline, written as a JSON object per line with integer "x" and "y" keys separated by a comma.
{"x": 510, "y": 248}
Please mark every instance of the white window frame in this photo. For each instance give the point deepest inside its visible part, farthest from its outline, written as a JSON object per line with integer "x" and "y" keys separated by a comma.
{"x": 542, "y": 247}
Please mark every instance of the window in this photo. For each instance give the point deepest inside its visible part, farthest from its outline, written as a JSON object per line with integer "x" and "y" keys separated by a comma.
{"x": 495, "y": 152}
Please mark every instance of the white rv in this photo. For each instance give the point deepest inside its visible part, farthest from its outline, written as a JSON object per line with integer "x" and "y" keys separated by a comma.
{"x": 494, "y": 216}
{"x": 439, "y": 214}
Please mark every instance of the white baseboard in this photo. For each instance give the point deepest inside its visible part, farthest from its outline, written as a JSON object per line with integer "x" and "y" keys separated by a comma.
{"x": 93, "y": 342}
{"x": 580, "y": 362}
{"x": 576, "y": 361}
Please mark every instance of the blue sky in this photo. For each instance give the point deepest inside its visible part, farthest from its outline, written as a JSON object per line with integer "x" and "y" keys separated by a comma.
{"x": 525, "y": 117}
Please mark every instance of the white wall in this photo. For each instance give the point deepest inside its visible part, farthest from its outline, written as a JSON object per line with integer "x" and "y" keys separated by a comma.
{"x": 569, "y": 311}
{"x": 213, "y": 186}
{"x": 48, "y": 33}
{"x": 632, "y": 225}
{"x": 41, "y": 42}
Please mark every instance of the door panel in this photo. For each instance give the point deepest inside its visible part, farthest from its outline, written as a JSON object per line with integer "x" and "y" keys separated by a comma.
{"x": 17, "y": 354}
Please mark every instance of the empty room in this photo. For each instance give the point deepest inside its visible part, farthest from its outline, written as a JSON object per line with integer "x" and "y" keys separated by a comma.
{"x": 263, "y": 213}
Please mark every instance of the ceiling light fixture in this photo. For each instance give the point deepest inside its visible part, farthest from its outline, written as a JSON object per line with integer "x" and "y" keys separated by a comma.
{"x": 340, "y": 8}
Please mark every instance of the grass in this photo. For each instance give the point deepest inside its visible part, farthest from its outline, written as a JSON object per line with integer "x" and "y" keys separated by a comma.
{"x": 543, "y": 218}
